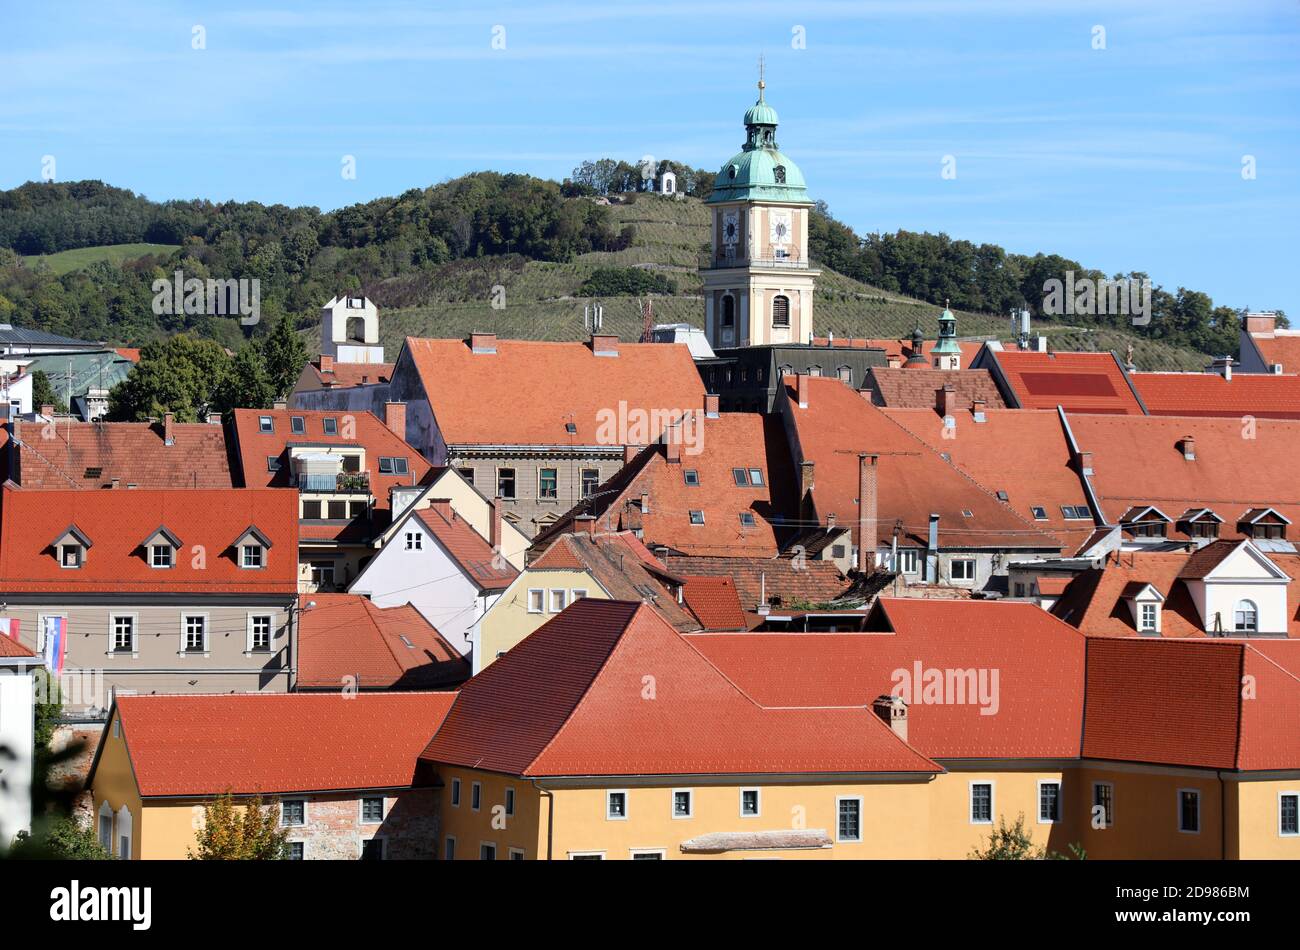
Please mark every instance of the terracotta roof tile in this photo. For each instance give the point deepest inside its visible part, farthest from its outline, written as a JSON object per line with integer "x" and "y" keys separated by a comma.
{"x": 1283, "y": 347}
{"x": 352, "y": 374}
{"x": 915, "y": 388}
{"x": 468, "y": 548}
{"x": 1260, "y": 395}
{"x": 784, "y": 581}
{"x": 1080, "y": 382}
{"x": 715, "y": 603}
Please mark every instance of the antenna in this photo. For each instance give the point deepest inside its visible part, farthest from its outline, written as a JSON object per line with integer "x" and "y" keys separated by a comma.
{"x": 593, "y": 317}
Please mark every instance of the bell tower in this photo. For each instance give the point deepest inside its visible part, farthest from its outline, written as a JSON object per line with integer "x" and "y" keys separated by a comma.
{"x": 758, "y": 283}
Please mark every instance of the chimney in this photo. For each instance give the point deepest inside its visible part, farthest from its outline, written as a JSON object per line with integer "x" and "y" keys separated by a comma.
{"x": 280, "y": 404}
{"x": 584, "y": 524}
{"x": 1188, "y": 446}
{"x": 977, "y": 410}
{"x": 830, "y": 521}
{"x": 629, "y": 453}
{"x": 892, "y": 711}
{"x": 395, "y": 418}
{"x": 1261, "y": 324}
{"x": 169, "y": 434}
{"x": 802, "y": 380}
{"x": 1085, "y": 463}
{"x": 604, "y": 344}
{"x": 645, "y": 503}
{"x": 115, "y": 482}
{"x": 932, "y": 551}
{"x": 482, "y": 342}
{"x": 442, "y": 506}
{"x": 805, "y": 478}
{"x": 1223, "y": 366}
{"x": 944, "y": 400}
{"x": 867, "y": 515}
{"x": 710, "y": 406}
{"x": 494, "y": 523}
{"x": 673, "y": 442}
{"x": 47, "y": 411}
{"x": 894, "y": 361}
{"x": 214, "y": 418}
{"x": 326, "y": 363}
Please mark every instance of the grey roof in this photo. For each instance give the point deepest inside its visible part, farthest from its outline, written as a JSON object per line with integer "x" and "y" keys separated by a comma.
{"x": 25, "y": 336}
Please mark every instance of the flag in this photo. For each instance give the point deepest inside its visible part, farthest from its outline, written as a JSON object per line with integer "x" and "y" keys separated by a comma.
{"x": 9, "y": 628}
{"x": 56, "y": 643}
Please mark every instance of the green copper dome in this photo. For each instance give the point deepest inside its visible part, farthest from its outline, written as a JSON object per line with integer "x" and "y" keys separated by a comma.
{"x": 759, "y": 172}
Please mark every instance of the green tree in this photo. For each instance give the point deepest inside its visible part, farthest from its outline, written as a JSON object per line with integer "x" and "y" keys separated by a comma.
{"x": 230, "y": 834}
{"x": 180, "y": 375}
{"x": 1009, "y": 843}
{"x": 58, "y": 839}
{"x": 284, "y": 354}
{"x": 43, "y": 393}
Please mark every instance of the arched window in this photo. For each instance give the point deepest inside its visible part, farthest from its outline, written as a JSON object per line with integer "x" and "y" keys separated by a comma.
{"x": 781, "y": 311}
{"x": 779, "y": 174}
{"x": 1245, "y": 618}
{"x": 124, "y": 833}
{"x": 106, "y": 826}
{"x": 728, "y": 311}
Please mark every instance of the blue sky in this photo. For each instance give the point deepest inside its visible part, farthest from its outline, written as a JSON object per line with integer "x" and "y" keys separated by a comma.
{"x": 1128, "y": 157}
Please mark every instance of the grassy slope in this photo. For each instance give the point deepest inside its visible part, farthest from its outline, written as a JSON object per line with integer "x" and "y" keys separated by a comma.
{"x": 542, "y": 303}
{"x": 67, "y": 261}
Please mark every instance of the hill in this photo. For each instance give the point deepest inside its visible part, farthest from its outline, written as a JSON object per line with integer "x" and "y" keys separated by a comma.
{"x": 67, "y": 261}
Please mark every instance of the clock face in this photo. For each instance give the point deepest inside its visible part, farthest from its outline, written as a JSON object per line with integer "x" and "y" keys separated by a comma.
{"x": 779, "y": 228}
{"x": 730, "y": 227}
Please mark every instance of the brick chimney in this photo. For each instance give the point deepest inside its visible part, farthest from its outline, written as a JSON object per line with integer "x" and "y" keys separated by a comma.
{"x": 645, "y": 503}
{"x": 1223, "y": 366}
{"x": 1261, "y": 324}
{"x": 47, "y": 411}
{"x": 1085, "y": 463}
{"x": 944, "y": 400}
{"x": 892, "y": 711}
{"x": 867, "y": 514}
{"x": 894, "y": 361}
{"x": 280, "y": 404}
{"x": 395, "y": 418}
{"x": 977, "y": 408}
{"x": 483, "y": 342}
{"x": 584, "y": 524}
{"x": 442, "y": 506}
{"x": 805, "y": 479}
{"x": 214, "y": 418}
{"x": 115, "y": 482}
{"x": 169, "y": 432}
{"x": 710, "y": 406}
{"x": 629, "y": 453}
{"x": 604, "y": 344}
{"x": 802, "y": 380}
{"x": 494, "y": 523}
{"x": 326, "y": 363}
{"x": 673, "y": 442}
{"x": 1188, "y": 445}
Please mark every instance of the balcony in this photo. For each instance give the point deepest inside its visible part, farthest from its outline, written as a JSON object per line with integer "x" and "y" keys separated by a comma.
{"x": 338, "y": 483}
{"x": 781, "y": 263}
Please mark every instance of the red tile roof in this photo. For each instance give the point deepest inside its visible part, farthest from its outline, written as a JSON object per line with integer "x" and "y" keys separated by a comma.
{"x": 1283, "y": 347}
{"x": 913, "y": 479}
{"x": 902, "y": 349}
{"x": 361, "y": 429}
{"x": 82, "y": 455}
{"x": 1038, "y": 660}
{"x": 570, "y": 700}
{"x": 1080, "y": 382}
{"x": 785, "y": 581}
{"x": 275, "y": 743}
{"x": 1037, "y": 474}
{"x": 467, "y": 548}
{"x": 475, "y": 397}
{"x": 128, "y": 352}
{"x": 207, "y": 522}
{"x": 351, "y": 374}
{"x": 345, "y": 639}
{"x": 1238, "y": 466}
{"x": 12, "y": 648}
{"x": 1260, "y": 395}
{"x": 916, "y": 388}
{"x": 715, "y": 603}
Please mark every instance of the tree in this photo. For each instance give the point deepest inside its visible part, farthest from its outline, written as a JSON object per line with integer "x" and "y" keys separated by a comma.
{"x": 284, "y": 354}
{"x": 228, "y": 834}
{"x": 43, "y": 392}
{"x": 60, "y": 839}
{"x": 179, "y": 375}
{"x": 246, "y": 383}
{"x": 1014, "y": 843}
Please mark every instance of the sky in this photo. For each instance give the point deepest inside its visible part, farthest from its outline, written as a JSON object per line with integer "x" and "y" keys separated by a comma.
{"x": 1152, "y": 135}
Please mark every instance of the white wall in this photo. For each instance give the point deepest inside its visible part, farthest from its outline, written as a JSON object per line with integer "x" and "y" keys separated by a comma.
{"x": 17, "y": 709}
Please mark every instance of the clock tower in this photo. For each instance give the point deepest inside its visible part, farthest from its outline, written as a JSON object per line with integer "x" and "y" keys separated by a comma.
{"x": 758, "y": 285}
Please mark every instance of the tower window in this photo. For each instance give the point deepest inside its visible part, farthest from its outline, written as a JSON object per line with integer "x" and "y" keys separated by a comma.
{"x": 778, "y": 174}
{"x": 728, "y": 311}
{"x": 781, "y": 311}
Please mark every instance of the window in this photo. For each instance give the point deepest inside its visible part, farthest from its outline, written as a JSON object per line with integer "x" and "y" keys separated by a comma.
{"x": 414, "y": 541}
{"x": 681, "y": 803}
{"x": 311, "y": 510}
{"x": 455, "y": 793}
{"x": 1288, "y": 813}
{"x": 577, "y": 594}
{"x": 559, "y": 600}
{"x": 487, "y": 852}
{"x": 845, "y": 375}
{"x": 297, "y": 425}
{"x": 1049, "y": 802}
{"x": 536, "y": 600}
{"x": 590, "y": 481}
{"x": 475, "y": 795}
{"x": 252, "y": 556}
{"x": 506, "y": 482}
{"x": 356, "y": 509}
{"x": 1039, "y": 512}
{"x": 909, "y": 561}
{"x": 747, "y": 519}
{"x": 338, "y": 510}
{"x": 273, "y": 463}
{"x": 646, "y": 854}
{"x": 749, "y": 803}
{"x": 697, "y": 516}
{"x": 848, "y": 826}
{"x": 330, "y": 425}
{"x": 1149, "y": 529}
{"x": 814, "y": 370}
{"x": 981, "y": 803}
{"x": 293, "y": 812}
{"x": 195, "y": 629}
{"x": 322, "y": 574}
{"x": 265, "y": 424}
{"x": 372, "y": 810}
{"x": 510, "y": 802}
{"x": 963, "y": 569}
{"x": 259, "y": 634}
{"x": 449, "y": 851}
{"x": 1080, "y": 513}
{"x": 372, "y": 849}
{"x": 1189, "y": 810}
{"x": 756, "y": 477}
{"x": 516, "y": 854}
{"x": 1103, "y": 803}
{"x": 548, "y": 483}
{"x": 1245, "y": 617}
{"x": 123, "y": 630}
{"x": 691, "y": 477}
{"x": 1147, "y": 619}
{"x": 615, "y": 806}
{"x": 297, "y": 851}
{"x": 741, "y": 476}
{"x": 106, "y": 831}
{"x": 1268, "y": 532}
{"x": 780, "y": 311}
{"x": 467, "y": 474}
{"x": 394, "y": 465}
{"x": 70, "y": 555}
{"x": 1203, "y": 529}
{"x": 728, "y": 311}
{"x": 160, "y": 555}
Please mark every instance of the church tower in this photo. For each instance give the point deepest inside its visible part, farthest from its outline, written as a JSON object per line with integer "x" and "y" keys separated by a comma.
{"x": 758, "y": 285}
{"x": 946, "y": 353}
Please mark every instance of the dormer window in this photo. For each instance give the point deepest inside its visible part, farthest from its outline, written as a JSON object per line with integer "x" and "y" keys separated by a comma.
{"x": 70, "y": 547}
{"x": 331, "y": 425}
{"x": 252, "y": 555}
{"x": 161, "y": 556}
{"x": 70, "y": 555}
{"x": 1147, "y": 522}
{"x": 1144, "y": 602}
{"x": 1245, "y": 617}
{"x": 251, "y": 549}
{"x": 265, "y": 424}
{"x": 160, "y": 549}
{"x": 1264, "y": 524}
{"x": 298, "y": 425}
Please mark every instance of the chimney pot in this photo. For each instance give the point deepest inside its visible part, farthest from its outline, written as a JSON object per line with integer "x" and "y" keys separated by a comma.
{"x": 280, "y": 404}
{"x": 1085, "y": 463}
{"x": 645, "y": 503}
{"x": 977, "y": 410}
{"x": 442, "y": 506}
{"x": 892, "y": 711}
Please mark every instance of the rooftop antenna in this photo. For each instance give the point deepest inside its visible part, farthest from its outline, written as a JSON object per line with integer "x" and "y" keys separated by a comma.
{"x": 593, "y": 317}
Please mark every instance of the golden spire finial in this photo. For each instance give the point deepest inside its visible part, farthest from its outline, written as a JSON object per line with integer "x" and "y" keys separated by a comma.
{"x": 761, "y": 84}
